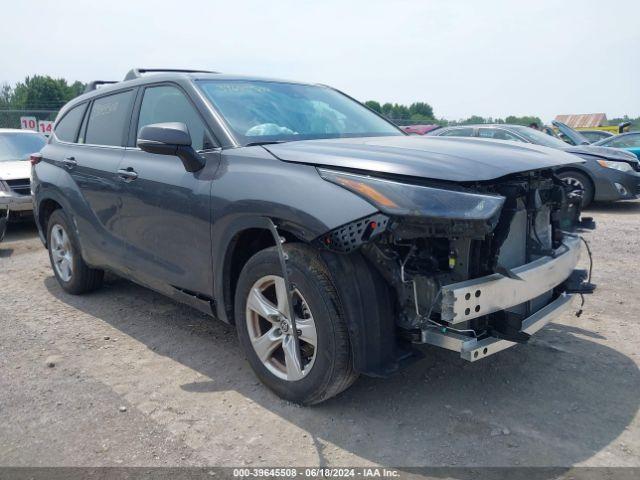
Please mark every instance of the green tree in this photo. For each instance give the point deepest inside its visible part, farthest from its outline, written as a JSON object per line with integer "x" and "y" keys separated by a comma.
{"x": 526, "y": 120}
{"x": 422, "y": 109}
{"x": 5, "y": 95}
{"x": 473, "y": 119}
{"x": 43, "y": 92}
{"x": 373, "y": 105}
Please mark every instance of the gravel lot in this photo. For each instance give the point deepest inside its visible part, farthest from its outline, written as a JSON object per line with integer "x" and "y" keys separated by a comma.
{"x": 125, "y": 376}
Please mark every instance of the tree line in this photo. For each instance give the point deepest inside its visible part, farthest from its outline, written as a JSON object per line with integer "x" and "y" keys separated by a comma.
{"x": 42, "y": 92}
{"x": 422, "y": 113}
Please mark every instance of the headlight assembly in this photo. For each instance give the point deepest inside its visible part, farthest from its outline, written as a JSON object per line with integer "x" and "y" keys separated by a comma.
{"x": 403, "y": 199}
{"x": 622, "y": 166}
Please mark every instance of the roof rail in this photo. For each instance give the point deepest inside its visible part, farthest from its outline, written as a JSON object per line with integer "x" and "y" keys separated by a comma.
{"x": 94, "y": 85}
{"x": 137, "y": 72}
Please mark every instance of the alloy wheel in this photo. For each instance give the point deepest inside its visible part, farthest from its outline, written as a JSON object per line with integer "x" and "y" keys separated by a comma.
{"x": 61, "y": 252}
{"x": 270, "y": 329}
{"x": 574, "y": 183}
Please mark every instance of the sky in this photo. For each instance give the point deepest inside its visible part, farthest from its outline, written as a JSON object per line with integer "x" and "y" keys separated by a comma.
{"x": 485, "y": 57}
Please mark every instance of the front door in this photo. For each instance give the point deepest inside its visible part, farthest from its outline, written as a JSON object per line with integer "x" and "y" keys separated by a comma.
{"x": 165, "y": 218}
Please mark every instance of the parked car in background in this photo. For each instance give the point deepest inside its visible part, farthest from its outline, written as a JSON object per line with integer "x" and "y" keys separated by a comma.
{"x": 584, "y": 136}
{"x": 333, "y": 240}
{"x": 608, "y": 174}
{"x": 419, "y": 129}
{"x": 16, "y": 147}
{"x": 628, "y": 141}
{"x": 595, "y": 135}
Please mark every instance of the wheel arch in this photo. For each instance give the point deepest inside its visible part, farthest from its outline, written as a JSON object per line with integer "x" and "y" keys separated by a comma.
{"x": 241, "y": 240}
{"x": 366, "y": 298}
{"x": 45, "y": 207}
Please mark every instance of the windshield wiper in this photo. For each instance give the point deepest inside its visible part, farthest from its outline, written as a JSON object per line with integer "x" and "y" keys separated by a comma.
{"x": 265, "y": 142}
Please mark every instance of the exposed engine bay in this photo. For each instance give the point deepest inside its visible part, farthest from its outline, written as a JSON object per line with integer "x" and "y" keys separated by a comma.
{"x": 461, "y": 281}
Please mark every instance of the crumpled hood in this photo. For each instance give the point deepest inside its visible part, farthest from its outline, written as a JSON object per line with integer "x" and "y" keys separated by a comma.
{"x": 603, "y": 152}
{"x": 438, "y": 158}
{"x": 15, "y": 169}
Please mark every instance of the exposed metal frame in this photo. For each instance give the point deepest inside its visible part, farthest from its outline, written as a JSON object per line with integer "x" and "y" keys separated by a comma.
{"x": 472, "y": 349}
{"x": 474, "y": 298}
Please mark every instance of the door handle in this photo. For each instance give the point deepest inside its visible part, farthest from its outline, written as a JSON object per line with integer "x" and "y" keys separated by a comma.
{"x": 70, "y": 162}
{"x": 127, "y": 174}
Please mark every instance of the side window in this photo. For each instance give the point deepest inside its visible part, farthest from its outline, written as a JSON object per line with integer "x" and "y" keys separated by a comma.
{"x": 497, "y": 134}
{"x": 107, "y": 119}
{"x": 67, "y": 128}
{"x": 626, "y": 141}
{"x": 458, "y": 132}
{"x": 168, "y": 104}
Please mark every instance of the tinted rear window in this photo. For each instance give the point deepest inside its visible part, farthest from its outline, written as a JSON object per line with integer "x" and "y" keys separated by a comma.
{"x": 67, "y": 128}
{"x": 107, "y": 119}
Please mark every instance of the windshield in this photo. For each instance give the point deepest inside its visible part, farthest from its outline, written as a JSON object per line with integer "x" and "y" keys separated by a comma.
{"x": 18, "y": 146}
{"x": 265, "y": 111}
{"x": 539, "y": 138}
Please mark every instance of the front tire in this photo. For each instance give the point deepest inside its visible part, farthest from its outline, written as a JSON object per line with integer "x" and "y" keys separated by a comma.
{"x": 263, "y": 324}
{"x": 72, "y": 273}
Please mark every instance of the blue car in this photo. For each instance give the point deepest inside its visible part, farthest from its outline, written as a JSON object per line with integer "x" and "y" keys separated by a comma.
{"x": 629, "y": 141}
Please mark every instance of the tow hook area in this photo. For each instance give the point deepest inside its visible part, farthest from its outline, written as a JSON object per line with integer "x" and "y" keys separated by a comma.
{"x": 474, "y": 348}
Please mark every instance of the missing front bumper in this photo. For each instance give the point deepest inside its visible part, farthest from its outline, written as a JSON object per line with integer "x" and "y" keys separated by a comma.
{"x": 472, "y": 349}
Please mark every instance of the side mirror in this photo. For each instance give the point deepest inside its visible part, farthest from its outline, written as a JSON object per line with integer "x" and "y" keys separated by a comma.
{"x": 170, "y": 139}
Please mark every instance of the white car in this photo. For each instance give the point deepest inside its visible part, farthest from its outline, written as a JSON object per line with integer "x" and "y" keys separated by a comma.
{"x": 15, "y": 171}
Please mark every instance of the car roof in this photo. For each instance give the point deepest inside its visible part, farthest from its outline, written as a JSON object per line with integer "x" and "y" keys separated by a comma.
{"x": 17, "y": 130}
{"x": 480, "y": 125}
{"x": 173, "y": 76}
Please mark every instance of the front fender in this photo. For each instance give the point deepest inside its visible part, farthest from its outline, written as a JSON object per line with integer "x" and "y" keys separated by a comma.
{"x": 252, "y": 186}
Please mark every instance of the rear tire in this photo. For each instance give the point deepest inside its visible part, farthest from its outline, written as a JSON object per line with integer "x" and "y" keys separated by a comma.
{"x": 579, "y": 181}
{"x": 328, "y": 366}
{"x": 72, "y": 273}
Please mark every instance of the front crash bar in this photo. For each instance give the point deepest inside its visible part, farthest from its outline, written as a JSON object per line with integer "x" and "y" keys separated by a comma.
{"x": 470, "y": 299}
{"x": 472, "y": 349}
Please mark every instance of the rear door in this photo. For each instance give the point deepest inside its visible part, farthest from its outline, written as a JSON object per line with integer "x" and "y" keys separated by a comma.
{"x": 165, "y": 219}
{"x": 89, "y": 157}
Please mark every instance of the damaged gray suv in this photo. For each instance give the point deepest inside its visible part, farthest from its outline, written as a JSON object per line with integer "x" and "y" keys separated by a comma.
{"x": 334, "y": 242}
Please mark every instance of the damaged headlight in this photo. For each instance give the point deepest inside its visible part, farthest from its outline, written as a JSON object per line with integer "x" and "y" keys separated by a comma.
{"x": 403, "y": 199}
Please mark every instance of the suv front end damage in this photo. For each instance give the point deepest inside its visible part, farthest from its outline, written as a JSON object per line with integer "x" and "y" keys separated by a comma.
{"x": 475, "y": 267}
